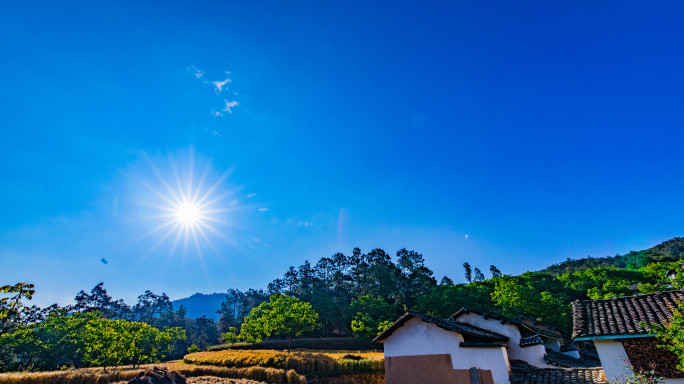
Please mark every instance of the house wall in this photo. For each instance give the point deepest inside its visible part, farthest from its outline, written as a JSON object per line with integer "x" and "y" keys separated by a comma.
{"x": 417, "y": 337}
{"x": 429, "y": 369}
{"x": 614, "y": 359}
{"x": 533, "y": 355}
{"x": 616, "y": 363}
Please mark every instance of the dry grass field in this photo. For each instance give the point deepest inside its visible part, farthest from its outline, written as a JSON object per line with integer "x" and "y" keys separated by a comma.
{"x": 233, "y": 367}
{"x": 124, "y": 374}
{"x": 321, "y": 363}
{"x": 218, "y": 380}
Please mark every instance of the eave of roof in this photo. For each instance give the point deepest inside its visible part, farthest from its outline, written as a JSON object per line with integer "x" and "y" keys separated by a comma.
{"x": 608, "y": 337}
{"x": 557, "y": 376}
{"x": 453, "y": 326}
{"x": 565, "y": 361}
{"x": 530, "y": 341}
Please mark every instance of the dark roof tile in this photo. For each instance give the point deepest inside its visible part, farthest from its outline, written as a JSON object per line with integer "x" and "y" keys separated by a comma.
{"x": 558, "y": 376}
{"x": 530, "y": 341}
{"x": 622, "y": 315}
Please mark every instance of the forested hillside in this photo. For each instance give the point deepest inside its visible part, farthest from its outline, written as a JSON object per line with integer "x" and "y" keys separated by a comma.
{"x": 670, "y": 250}
{"x": 352, "y": 295}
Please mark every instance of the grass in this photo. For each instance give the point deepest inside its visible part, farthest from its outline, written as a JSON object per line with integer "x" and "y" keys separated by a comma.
{"x": 98, "y": 376}
{"x": 322, "y": 363}
{"x": 271, "y": 367}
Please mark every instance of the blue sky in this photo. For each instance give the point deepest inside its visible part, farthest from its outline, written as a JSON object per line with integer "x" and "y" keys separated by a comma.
{"x": 516, "y": 134}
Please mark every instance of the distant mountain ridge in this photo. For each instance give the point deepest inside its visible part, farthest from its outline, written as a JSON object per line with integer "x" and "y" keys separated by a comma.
{"x": 201, "y": 304}
{"x": 669, "y": 250}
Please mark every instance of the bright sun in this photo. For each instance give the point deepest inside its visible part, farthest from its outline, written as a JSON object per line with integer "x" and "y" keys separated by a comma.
{"x": 188, "y": 213}
{"x": 191, "y": 211}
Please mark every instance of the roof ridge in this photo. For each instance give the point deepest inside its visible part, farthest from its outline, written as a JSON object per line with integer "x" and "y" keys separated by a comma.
{"x": 636, "y": 295}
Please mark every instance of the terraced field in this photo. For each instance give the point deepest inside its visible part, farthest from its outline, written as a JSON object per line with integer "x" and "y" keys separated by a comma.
{"x": 313, "y": 367}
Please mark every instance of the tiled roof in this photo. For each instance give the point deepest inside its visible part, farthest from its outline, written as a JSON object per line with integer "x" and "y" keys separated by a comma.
{"x": 558, "y": 376}
{"x": 568, "y": 347}
{"x": 468, "y": 331}
{"x": 622, "y": 315}
{"x": 562, "y": 360}
{"x": 468, "y": 344}
{"x": 530, "y": 341}
{"x": 519, "y": 321}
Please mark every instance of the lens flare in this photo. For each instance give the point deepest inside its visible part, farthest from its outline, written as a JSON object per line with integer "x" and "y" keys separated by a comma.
{"x": 189, "y": 212}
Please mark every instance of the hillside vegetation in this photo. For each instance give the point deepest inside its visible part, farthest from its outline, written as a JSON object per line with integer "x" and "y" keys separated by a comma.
{"x": 340, "y": 296}
{"x": 670, "y": 250}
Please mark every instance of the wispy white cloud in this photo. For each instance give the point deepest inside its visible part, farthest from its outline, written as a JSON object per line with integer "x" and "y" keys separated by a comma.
{"x": 219, "y": 85}
{"x": 263, "y": 209}
{"x": 252, "y": 194}
{"x": 194, "y": 71}
{"x": 229, "y": 105}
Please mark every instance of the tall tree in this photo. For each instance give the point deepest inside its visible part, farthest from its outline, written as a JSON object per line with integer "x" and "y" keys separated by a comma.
{"x": 479, "y": 276}
{"x": 150, "y": 306}
{"x": 468, "y": 272}
{"x": 495, "y": 271}
{"x": 415, "y": 279}
{"x": 99, "y": 300}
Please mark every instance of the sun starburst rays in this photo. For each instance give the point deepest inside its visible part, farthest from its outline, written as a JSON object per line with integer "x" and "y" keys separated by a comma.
{"x": 188, "y": 210}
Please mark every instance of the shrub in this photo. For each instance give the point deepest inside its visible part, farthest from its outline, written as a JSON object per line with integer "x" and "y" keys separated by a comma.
{"x": 320, "y": 344}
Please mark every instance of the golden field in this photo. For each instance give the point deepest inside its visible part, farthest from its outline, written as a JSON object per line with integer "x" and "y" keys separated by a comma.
{"x": 246, "y": 366}
{"x": 124, "y": 374}
{"x": 305, "y": 363}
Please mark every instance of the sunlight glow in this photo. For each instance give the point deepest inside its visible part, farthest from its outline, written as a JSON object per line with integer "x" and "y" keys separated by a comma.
{"x": 190, "y": 211}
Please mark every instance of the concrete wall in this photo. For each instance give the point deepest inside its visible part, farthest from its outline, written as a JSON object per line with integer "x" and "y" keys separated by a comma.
{"x": 417, "y": 337}
{"x": 614, "y": 359}
{"x": 533, "y": 355}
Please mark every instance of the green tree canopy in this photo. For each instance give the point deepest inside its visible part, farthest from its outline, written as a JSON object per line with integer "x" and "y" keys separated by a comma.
{"x": 281, "y": 315}
{"x": 372, "y": 313}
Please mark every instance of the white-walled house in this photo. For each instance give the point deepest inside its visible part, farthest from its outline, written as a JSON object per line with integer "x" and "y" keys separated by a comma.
{"x": 422, "y": 349}
{"x": 615, "y": 327}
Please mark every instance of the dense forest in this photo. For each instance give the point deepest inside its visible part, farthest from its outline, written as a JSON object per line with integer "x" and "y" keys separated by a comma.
{"x": 352, "y": 295}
